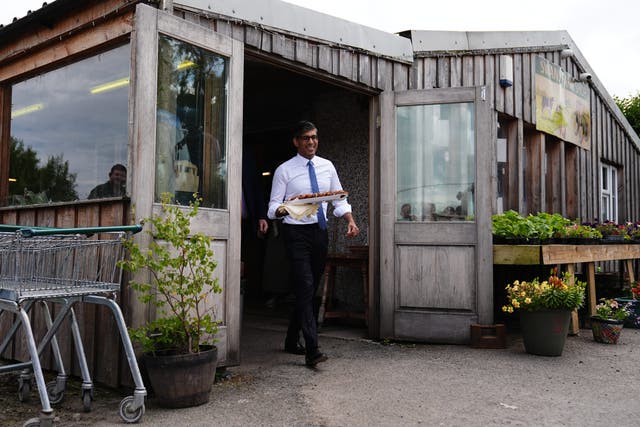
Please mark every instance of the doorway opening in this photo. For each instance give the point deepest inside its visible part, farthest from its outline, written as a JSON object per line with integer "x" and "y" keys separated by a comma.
{"x": 275, "y": 98}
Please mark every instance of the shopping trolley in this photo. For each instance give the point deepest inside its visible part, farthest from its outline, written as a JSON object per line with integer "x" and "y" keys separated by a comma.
{"x": 65, "y": 266}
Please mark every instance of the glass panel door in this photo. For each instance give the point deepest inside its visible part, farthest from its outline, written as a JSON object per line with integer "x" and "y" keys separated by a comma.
{"x": 435, "y": 162}
{"x": 191, "y": 144}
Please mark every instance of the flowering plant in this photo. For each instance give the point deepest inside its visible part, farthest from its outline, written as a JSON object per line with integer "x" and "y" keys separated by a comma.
{"x": 635, "y": 290}
{"x": 610, "y": 309}
{"x": 557, "y": 292}
{"x": 611, "y": 228}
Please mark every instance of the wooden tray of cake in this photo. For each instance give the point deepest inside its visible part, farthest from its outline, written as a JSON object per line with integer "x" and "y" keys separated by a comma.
{"x": 314, "y": 198}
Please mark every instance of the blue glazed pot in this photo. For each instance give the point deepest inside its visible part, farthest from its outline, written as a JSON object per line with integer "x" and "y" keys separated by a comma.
{"x": 633, "y": 306}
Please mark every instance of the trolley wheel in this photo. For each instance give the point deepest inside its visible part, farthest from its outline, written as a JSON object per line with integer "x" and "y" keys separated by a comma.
{"x": 54, "y": 397}
{"x": 24, "y": 390}
{"x": 86, "y": 400}
{"x": 33, "y": 422}
{"x": 127, "y": 413}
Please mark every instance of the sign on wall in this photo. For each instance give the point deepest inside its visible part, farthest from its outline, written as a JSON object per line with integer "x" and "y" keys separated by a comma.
{"x": 562, "y": 104}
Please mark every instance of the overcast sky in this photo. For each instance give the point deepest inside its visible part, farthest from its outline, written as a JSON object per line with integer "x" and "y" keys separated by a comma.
{"x": 605, "y": 31}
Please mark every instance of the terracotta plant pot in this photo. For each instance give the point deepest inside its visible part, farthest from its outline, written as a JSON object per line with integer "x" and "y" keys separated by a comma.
{"x": 606, "y": 331}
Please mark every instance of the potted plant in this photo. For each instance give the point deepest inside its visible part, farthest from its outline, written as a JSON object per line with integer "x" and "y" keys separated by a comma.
{"x": 608, "y": 321}
{"x": 632, "y": 305}
{"x": 612, "y": 231}
{"x": 577, "y": 234}
{"x": 545, "y": 310}
{"x": 178, "y": 350}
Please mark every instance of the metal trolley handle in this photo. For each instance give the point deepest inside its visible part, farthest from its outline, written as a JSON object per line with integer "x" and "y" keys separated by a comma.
{"x": 44, "y": 231}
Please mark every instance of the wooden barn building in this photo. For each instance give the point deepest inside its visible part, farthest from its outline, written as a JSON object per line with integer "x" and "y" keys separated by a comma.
{"x": 431, "y": 133}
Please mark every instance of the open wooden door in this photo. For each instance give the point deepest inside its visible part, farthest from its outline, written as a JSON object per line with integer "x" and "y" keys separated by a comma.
{"x": 435, "y": 242}
{"x": 187, "y": 138}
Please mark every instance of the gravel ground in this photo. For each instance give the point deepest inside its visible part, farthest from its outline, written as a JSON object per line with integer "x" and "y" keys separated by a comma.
{"x": 367, "y": 383}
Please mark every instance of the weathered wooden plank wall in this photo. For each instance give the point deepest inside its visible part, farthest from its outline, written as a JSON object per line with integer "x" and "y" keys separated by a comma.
{"x": 341, "y": 64}
{"x": 100, "y": 335}
{"x": 610, "y": 143}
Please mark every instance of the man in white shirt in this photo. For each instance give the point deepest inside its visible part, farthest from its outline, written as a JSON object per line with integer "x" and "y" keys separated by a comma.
{"x": 306, "y": 239}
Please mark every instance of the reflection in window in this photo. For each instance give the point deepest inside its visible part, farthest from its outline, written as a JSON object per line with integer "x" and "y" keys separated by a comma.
{"x": 191, "y": 143}
{"x": 436, "y": 162}
{"x": 68, "y": 128}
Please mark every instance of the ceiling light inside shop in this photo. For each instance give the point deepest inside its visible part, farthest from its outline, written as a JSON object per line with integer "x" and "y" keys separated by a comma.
{"x": 110, "y": 86}
{"x": 185, "y": 64}
{"x": 26, "y": 110}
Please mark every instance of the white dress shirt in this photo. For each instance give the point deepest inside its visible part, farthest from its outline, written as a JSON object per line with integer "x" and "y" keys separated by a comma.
{"x": 292, "y": 179}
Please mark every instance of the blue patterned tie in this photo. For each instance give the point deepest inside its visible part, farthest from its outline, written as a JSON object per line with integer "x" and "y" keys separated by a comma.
{"x": 322, "y": 221}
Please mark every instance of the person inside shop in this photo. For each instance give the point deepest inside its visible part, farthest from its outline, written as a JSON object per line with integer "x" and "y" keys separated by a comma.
{"x": 115, "y": 187}
{"x": 306, "y": 239}
{"x": 405, "y": 213}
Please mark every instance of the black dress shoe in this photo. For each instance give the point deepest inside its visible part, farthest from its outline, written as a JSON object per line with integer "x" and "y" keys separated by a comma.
{"x": 294, "y": 349}
{"x": 312, "y": 361}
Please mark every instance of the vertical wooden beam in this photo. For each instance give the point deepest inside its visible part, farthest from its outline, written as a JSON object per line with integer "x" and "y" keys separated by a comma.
{"x": 517, "y": 85}
{"x": 572, "y": 172}
{"x": 591, "y": 284}
{"x": 552, "y": 177}
{"x": 373, "y": 320}
{"x": 521, "y": 167}
{"x": 444, "y": 72}
{"x": 563, "y": 178}
{"x": 387, "y": 213}
{"x": 511, "y": 185}
{"x": 574, "y": 326}
{"x": 142, "y": 147}
{"x": 5, "y": 141}
{"x": 535, "y": 143}
{"x": 527, "y": 83}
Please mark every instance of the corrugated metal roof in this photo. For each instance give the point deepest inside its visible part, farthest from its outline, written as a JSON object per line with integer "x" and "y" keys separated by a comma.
{"x": 431, "y": 41}
{"x": 307, "y": 23}
{"x": 31, "y": 15}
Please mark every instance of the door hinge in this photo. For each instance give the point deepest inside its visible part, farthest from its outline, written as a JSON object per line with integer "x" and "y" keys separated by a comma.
{"x": 483, "y": 93}
{"x": 378, "y": 121}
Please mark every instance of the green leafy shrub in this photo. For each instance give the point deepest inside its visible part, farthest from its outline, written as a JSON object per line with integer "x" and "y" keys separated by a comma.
{"x": 181, "y": 266}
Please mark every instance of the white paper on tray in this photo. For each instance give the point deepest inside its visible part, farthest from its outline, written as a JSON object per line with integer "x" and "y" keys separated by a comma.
{"x": 316, "y": 200}
{"x": 301, "y": 211}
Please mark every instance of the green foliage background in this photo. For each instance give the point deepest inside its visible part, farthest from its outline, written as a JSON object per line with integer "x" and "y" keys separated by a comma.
{"x": 630, "y": 107}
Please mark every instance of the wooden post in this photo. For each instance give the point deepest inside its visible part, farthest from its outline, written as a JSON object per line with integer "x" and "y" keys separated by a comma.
{"x": 574, "y": 326}
{"x": 591, "y": 281}
{"x": 632, "y": 277}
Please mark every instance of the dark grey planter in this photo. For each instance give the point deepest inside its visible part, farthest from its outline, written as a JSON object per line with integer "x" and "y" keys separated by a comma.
{"x": 544, "y": 332}
{"x": 182, "y": 380}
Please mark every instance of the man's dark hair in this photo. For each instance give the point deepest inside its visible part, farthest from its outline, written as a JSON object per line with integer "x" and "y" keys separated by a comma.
{"x": 118, "y": 167}
{"x": 302, "y": 127}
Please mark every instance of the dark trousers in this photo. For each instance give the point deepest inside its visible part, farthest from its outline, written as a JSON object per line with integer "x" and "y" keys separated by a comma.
{"x": 307, "y": 247}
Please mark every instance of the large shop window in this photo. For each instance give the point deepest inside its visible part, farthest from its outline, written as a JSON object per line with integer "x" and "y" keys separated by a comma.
{"x": 609, "y": 193}
{"x": 191, "y": 144}
{"x": 69, "y": 129}
{"x": 436, "y": 162}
